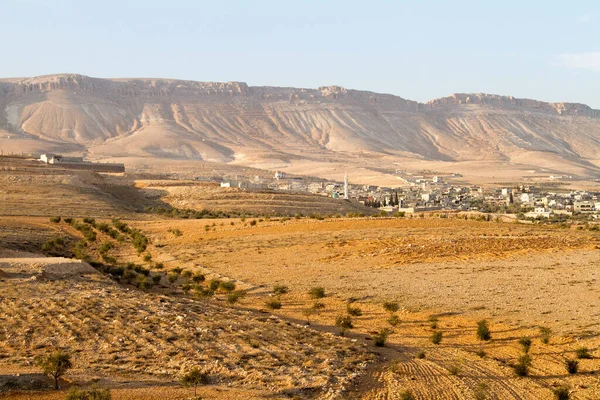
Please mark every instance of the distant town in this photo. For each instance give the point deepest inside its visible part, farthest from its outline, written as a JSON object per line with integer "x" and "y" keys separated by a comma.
{"x": 432, "y": 193}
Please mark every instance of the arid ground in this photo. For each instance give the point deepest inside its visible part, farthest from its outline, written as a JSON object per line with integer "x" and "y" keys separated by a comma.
{"x": 444, "y": 272}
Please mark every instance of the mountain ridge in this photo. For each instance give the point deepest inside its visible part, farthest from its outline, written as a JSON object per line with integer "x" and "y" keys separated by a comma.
{"x": 233, "y": 122}
{"x": 79, "y": 81}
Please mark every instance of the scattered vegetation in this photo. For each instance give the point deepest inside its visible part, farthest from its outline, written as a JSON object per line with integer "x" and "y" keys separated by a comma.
{"x": 55, "y": 220}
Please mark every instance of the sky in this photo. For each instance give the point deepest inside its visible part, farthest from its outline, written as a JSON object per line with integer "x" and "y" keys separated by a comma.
{"x": 420, "y": 50}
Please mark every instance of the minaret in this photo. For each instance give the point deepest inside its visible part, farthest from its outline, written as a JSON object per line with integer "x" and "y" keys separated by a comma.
{"x": 346, "y": 185}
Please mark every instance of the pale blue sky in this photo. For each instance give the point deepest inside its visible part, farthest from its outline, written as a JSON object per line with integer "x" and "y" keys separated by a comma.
{"x": 546, "y": 50}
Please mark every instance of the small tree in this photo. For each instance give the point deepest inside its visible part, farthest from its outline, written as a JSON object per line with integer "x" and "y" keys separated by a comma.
{"x": 344, "y": 322}
{"x": 483, "y": 330}
{"x": 583, "y": 353}
{"x": 525, "y": 343}
{"x": 194, "y": 378}
{"x": 545, "y": 334}
{"x": 391, "y": 306}
{"x": 308, "y": 313}
{"x": 381, "y": 337}
{"x": 273, "y": 304}
{"x": 436, "y": 337}
{"x": 572, "y": 366}
{"x": 280, "y": 289}
{"x": 522, "y": 366}
{"x": 317, "y": 292}
{"x": 55, "y": 365}
{"x": 562, "y": 393}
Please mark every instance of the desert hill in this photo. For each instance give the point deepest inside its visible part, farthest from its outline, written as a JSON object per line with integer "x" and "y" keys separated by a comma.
{"x": 234, "y": 122}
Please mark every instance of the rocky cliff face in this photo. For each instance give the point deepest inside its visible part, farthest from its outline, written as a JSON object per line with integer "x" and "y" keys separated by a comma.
{"x": 217, "y": 121}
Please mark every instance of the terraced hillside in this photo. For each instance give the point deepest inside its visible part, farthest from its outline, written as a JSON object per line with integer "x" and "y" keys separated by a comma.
{"x": 258, "y": 202}
{"x": 122, "y": 336}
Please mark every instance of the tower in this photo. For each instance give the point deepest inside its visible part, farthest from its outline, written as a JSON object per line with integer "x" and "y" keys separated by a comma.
{"x": 346, "y": 185}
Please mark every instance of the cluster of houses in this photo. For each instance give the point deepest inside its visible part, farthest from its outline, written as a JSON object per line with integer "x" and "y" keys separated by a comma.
{"x": 432, "y": 193}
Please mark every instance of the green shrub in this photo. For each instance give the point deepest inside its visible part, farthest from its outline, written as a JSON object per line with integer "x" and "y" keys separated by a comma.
{"x": 138, "y": 240}
{"x": 120, "y": 225}
{"x": 159, "y": 265}
{"x": 68, "y": 220}
{"x": 234, "y": 296}
{"x": 147, "y": 257}
{"x": 198, "y": 277}
{"x": 391, "y": 306}
{"x": 55, "y": 220}
{"x": 317, "y": 305}
{"x": 433, "y": 322}
{"x": 89, "y": 220}
{"x": 227, "y": 286}
{"x": 173, "y": 278}
{"x": 214, "y": 284}
{"x": 280, "y": 289}
{"x": 545, "y": 334}
{"x": 481, "y": 353}
{"x": 177, "y": 270}
{"x": 525, "y": 343}
{"x": 317, "y": 292}
{"x": 129, "y": 275}
{"x": 380, "y": 337}
{"x": 483, "y": 330}
{"x": 156, "y": 279}
{"x": 393, "y": 320}
{"x": 407, "y": 395}
{"x": 572, "y": 366}
{"x": 583, "y": 353}
{"x": 420, "y": 355}
{"x": 521, "y": 368}
{"x": 187, "y": 274}
{"x": 436, "y": 337}
{"x": 562, "y": 393}
{"x": 344, "y": 323}
{"x": 103, "y": 227}
{"x": 273, "y": 304}
{"x": 105, "y": 246}
{"x": 175, "y": 232}
{"x": 354, "y": 311}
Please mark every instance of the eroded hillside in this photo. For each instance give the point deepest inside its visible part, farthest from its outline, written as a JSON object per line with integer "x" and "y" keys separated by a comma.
{"x": 232, "y": 121}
